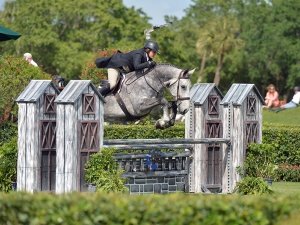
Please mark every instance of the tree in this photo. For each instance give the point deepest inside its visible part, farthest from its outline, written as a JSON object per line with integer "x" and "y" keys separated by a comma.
{"x": 62, "y": 35}
{"x": 272, "y": 46}
{"x": 15, "y": 75}
{"x": 226, "y": 39}
{"x": 204, "y": 47}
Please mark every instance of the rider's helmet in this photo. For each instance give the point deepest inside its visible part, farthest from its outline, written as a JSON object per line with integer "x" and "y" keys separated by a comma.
{"x": 152, "y": 45}
{"x": 297, "y": 88}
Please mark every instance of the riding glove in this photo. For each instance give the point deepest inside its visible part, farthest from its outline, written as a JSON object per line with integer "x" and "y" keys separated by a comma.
{"x": 152, "y": 63}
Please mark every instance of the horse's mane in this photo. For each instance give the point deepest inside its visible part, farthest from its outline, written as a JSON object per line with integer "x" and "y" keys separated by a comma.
{"x": 159, "y": 64}
{"x": 133, "y": 73}
{"x": 166, "y": 64}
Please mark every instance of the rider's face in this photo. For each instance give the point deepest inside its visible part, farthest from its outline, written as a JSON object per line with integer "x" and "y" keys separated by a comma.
{"x": 152, "y": 54}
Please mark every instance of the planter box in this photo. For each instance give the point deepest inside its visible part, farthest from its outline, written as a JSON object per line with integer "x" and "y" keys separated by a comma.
{"x": 269, "y": 181}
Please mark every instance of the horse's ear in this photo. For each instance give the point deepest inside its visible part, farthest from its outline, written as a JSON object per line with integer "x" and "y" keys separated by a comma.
{"x": 191, "y": 72}
{"x": 188, "y": 73}
{"x": 185, "y": 72}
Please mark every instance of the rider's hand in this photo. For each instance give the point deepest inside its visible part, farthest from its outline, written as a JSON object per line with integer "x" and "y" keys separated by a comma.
{"x": 152, "y": 63}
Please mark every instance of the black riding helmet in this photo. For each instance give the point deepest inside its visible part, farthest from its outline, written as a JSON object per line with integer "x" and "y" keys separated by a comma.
{"x": 152, "y": 45}
{"x": 297, "y": 88}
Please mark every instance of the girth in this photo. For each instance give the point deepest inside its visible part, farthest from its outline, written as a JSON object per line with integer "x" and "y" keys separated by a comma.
{"x": 124, "y": 109}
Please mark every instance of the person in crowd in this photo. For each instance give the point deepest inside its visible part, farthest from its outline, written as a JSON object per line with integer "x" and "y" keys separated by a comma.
{"x": 272, "y": 97}
{"x": 28, "y": 57}
{"x": 136, "y": 60}
{"x": 292, "y": 104}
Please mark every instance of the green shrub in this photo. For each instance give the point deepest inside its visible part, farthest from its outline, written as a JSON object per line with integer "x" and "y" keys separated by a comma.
{"x": 252, "y": 186}
{"x": 102, "y": 170}
{"x": 8, "y": 164}
{"x": 15, "y": 75}
{"x": 175, "y": 209}
{"x": 286, "y": 142}
{"x": 286, "y": 172}
{"x": 142, "y": 132}
{"x": 260, "y": 161}
{"x": 8, "y": 131}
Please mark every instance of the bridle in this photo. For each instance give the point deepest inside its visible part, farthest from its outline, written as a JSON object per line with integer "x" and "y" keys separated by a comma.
{"x": 180, "y": 77}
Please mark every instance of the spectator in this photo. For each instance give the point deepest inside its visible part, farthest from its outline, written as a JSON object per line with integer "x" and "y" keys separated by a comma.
{"x": 28, "y": 57}
{"x": 292, "y": 104}
{"x": 272, "y": 97}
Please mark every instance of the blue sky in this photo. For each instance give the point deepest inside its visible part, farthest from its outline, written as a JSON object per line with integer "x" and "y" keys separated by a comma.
{"x": 156, "y": 9}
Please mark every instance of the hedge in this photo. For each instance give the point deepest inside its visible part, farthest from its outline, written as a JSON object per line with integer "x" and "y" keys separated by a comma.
{"x": 286, "y": 140}
{"x": 85, "y": 209}
{"x": 142, "y": 132}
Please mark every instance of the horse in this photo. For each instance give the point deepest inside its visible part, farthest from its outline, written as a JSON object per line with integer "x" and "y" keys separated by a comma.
{"x": 140, "y": 93}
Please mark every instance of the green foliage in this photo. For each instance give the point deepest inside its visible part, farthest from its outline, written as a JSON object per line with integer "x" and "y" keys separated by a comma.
{"x": 252, "y": 186}
{"x": 286, "y": 172}
{"x": 8, "y": 164}
{"x": 8, "y": 131}
{"x": 102, "y": 170}
{"x": 286, "y": 142}
{"x": 175, "y": 209}
{"x": 142, "y": 132}
{"x": 15, "y": 75}
{"x": 62, "y": 35}
{"x": 260, "y": 161}
{"x": 66, "y": 34}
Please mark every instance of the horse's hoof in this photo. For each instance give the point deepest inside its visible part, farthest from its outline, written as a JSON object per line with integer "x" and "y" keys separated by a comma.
{"x": 159, "y": 125}
{"x": 172, "y": 122}
{"x": 137, "y": 122}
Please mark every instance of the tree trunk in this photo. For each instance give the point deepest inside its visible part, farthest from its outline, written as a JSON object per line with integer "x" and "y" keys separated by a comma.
{"x": 203, "y": 61}
{"x": 219, "y": 68}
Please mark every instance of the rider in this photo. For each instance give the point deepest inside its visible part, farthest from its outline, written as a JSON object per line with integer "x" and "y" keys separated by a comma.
{"x": 135, "y": 60}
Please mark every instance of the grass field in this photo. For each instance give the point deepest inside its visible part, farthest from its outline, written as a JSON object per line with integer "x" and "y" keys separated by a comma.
{"x": 286, "y": 187}
{"x": 288, "y": 116}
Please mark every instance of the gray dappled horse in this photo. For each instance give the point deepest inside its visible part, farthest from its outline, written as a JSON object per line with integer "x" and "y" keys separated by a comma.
{"x": 140, "y": 93}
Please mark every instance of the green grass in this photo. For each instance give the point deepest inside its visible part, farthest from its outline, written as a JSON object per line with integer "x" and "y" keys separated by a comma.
{"x": 288, "y": 116}
{"x": 286, "y": 187}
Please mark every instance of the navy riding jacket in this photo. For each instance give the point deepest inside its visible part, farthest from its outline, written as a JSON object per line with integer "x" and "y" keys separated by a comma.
{"x": 135, "y": 60}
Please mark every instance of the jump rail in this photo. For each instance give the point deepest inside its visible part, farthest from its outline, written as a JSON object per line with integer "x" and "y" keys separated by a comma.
{"x": 138, "y": 144}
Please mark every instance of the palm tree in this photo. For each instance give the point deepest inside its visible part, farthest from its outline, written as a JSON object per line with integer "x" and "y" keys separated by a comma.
{"x": 219, "y": 36}
{"x": 227, "y": 40}
{"x": 204, "y": 47}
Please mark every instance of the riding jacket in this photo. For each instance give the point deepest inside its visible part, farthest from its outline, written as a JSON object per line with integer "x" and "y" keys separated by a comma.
{"x": 135, "y": 60}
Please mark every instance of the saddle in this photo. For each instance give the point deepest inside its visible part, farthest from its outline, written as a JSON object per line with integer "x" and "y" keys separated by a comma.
{"x": 115, "y": 92}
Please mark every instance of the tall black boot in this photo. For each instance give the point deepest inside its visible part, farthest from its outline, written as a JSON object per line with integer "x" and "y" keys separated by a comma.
{"x": 105, "y": 90}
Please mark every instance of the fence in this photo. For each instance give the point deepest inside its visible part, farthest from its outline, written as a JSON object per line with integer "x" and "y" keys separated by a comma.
{"x": 217, "y": 130}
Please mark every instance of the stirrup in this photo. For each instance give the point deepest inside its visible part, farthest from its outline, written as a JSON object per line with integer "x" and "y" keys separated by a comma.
{"x": 104, "y": 90}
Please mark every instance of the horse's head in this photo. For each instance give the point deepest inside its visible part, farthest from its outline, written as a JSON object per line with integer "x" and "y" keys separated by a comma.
{"x": 179, "y": 87}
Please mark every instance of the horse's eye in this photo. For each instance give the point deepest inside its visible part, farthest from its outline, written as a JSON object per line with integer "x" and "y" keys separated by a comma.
{"x": 183, "y": 87}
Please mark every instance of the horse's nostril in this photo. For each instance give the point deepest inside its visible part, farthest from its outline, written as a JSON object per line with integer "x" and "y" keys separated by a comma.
{"x": 184, "y": 112}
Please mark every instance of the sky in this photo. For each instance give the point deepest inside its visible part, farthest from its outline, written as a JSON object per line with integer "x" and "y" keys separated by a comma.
{"x": 156, "y": 9}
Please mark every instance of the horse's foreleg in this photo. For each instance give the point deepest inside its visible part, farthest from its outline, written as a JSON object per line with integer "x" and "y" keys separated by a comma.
{"x": 174, "y": 113}
{"x": 164, "y": 122}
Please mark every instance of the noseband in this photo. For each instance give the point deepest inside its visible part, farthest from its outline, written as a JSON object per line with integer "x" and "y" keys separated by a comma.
{"x": 177, "y": 97}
